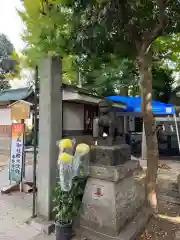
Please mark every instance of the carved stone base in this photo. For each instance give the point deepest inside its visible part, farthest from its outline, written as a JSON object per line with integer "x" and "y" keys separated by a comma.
{"x": 113, "y": 197}
{"x": 130, "y": 232}
{"x": 110, "y": 155}
{"x": 109, "y": 141}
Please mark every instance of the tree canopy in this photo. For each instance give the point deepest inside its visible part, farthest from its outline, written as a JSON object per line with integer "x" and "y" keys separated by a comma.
{"x": 9, "y": 66}
{"x": 89, "y": 35}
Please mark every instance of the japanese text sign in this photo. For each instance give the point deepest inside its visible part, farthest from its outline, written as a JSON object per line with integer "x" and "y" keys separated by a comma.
{"x": 17, "y": 145}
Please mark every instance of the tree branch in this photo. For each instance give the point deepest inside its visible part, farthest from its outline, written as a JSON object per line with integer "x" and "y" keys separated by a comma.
{"x": 149, "y": 37}
{"x": 124, "y": 16}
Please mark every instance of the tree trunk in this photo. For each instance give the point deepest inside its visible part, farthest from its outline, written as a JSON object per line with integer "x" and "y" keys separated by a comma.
{"x": 124, "y": 91}
{"x": 145, "y": 61}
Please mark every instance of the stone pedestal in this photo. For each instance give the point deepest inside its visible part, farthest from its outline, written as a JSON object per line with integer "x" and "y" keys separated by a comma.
{"x": 113, "y": 197}
{"x": 110, "y": 155}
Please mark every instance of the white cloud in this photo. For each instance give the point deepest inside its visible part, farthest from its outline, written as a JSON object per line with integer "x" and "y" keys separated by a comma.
{"x": 10, "y": 22}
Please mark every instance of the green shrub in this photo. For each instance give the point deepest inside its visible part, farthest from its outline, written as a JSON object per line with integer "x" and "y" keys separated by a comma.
{"x": 67, "y": 204}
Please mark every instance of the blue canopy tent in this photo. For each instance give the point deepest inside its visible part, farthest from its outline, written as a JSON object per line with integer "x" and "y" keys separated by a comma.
{"x": 133, "y": 105}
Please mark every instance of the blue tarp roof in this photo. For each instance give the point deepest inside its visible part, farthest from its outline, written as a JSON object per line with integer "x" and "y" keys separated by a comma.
{"x": 133, "y": 104}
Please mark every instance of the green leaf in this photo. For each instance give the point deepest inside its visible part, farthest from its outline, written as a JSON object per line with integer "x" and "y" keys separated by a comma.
{"x": 33, "y": 9}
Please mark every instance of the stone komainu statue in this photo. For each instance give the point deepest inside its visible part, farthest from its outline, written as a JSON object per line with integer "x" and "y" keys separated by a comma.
{"x": 106, "y": 123}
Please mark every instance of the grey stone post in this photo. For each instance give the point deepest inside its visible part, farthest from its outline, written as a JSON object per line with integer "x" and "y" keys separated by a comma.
{"x": 50, "y": 130}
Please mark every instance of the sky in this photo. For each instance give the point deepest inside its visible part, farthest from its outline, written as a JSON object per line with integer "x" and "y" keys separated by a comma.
{"x": 10, "y": 23}
{"x": 12, "y": 26}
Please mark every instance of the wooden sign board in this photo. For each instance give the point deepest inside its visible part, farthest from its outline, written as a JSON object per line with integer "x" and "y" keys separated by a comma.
{"x": 20, "y": 110}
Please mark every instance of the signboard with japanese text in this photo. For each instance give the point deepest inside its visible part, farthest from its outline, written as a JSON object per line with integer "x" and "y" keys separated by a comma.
{"x": 20, "y": 110}
{"x": 17, "y": 147}
{"x": 169, "y": 110}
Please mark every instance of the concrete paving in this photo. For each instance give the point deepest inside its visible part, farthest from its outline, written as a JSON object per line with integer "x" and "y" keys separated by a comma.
{"x": 15, "y": 210}
{"x": 44, "y": 237}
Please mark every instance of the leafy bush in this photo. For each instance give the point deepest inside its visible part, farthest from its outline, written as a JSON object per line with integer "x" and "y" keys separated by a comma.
{"x": 67, "y": 204}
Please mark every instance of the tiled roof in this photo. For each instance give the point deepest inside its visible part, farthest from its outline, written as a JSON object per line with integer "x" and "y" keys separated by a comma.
{"x": 15, "y": 94}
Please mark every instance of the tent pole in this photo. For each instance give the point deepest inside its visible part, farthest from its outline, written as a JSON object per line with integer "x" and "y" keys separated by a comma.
{"x": 143, "y": 145}
{"x": 177, "y": 131}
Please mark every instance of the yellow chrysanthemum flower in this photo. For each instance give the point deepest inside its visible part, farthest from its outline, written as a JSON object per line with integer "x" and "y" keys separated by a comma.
{"x": 65, "y": 143}
{"x": 65, "y": 157}
{"x": 82, "y": 148}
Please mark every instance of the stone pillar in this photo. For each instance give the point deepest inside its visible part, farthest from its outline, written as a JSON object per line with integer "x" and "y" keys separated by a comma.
{"x": 50, "y": 130}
